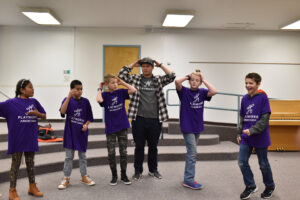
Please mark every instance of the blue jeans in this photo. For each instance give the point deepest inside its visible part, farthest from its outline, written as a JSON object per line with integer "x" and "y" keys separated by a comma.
{"x": 262, "y": 155}
{"x": 191, "y": 141}
{"x": 69, "y": 162}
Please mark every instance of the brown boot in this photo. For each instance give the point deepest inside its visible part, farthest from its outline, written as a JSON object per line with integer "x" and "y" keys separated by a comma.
{"x": 13, "y": 195}
{"x": 33, "y": 190}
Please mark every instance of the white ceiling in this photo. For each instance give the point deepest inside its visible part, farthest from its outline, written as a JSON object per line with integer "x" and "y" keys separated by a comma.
{"x": 210, "y": 14}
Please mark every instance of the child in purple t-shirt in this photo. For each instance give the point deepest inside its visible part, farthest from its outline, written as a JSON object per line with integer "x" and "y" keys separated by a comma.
{"x": 253, "y": 132}
{"x": 22, "y": 113}
{"x": 191, "y": 119}
{"x": 79, "y": 115}
{"x": 116, "y": 122}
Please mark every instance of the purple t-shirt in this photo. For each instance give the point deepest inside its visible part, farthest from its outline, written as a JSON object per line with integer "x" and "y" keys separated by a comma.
{"x": 252, "y": 108}
{"x": 78, "y": 113}
{"x": 22, "y": 128}
{"x": 191, "y": 109}
{"x": 115, "y": 113}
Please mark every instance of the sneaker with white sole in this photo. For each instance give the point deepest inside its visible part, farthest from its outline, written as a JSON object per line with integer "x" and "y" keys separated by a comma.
{"x": 125, "y": 179}
{"x": 64, "y": 184}
{"x": 247, "y": 192}
{"x": 87, "y": 180}
{"x": 192, "y": 185}
{"x": 155, "y": 174}
{"x": 267, "y": 194}
{"x": 137, "y": 176}
{"x": 114, "y": 180}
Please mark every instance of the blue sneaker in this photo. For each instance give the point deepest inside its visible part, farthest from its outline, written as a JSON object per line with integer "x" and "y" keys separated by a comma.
{"x": 194, "y": 185}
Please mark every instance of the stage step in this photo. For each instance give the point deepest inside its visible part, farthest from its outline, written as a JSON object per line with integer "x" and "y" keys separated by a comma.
{"x": 53, "y": 162}
{"x": 99, "y": 141}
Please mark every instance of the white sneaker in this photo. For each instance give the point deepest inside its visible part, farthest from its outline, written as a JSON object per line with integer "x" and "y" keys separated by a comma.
{"x": 87, "y": 180}
{"x": 64, "y": 183}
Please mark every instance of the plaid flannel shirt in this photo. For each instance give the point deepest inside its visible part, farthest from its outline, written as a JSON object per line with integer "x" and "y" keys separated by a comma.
{"x": 158, "y": 81}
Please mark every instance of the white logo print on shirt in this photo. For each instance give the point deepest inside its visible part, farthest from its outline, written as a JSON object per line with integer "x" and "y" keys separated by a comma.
{"x": 77, "y": 112}
{"x": 30, "y": 108}
{"x": 28, "y": 118}
{"x": 76, "y": 118}
{"x": 196, "y": 98}
{"x": 114, "y": 101}
{"x": 148, "y": 83}
{"x": 250, "y": 116}
{"x": 249, "y": 109}
{"x": 196, "y": 103}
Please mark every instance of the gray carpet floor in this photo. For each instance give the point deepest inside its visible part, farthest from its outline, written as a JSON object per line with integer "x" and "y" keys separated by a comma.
{"x": 222, "y": 180}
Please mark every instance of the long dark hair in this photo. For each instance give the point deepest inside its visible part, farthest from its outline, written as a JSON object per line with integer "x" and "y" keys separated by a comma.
{"x": 21, "y": 85}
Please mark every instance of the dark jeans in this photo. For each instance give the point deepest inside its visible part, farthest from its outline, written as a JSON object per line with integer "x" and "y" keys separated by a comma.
{"x": 262, "y": 155}
{"x": 15, "y": 165}
{"x": 145, "y": 129}
{"x": 111, "y": 148}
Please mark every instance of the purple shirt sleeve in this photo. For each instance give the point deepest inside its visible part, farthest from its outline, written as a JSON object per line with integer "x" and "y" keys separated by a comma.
{"x": 242, "y": 111}
{"x": 205, "y": 92}
{"x": 67, "y": 111}
{"x": 104, "y": 99}
{"x": 181, "y": 92}
{"x": 39, "y": 107}
{"x": 89, "y": 112}
{"x": 125, "y": 94}
{"x": 266, "y": 105}
{"x": 3, "y": 109}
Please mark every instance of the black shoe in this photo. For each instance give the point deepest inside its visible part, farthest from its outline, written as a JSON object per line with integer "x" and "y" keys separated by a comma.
{"x": 267, "y": 194}
{"x": 247, "y": 192}
{"x": 137, "y": 176}
{"x": 125, "y": 179}
{"x": 155, "y": 174}
{"x": 114, "y": 180}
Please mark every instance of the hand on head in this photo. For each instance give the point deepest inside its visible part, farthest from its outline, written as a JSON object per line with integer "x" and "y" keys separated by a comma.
{"x": 135, "y": 64}
{"x": 120, "y": 81}
{"x": 101, "y": 85}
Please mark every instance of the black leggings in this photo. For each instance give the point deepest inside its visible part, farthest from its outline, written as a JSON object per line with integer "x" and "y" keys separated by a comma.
{"x": 15, "y": 165}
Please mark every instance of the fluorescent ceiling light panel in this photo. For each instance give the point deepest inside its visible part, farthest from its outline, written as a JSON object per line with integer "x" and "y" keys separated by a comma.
{"x": 178, "y": 18}
{"x": 42, "y": 16}
{"x": 294, "y": 25}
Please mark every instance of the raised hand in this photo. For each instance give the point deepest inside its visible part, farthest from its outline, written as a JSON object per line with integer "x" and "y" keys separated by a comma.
{"x": 33, "y": 112}
{"x": 135, "y": 64}
{"x": 71, "y": 93}
{"x": 101, "y": 85}
{"x": 120, "y": 81}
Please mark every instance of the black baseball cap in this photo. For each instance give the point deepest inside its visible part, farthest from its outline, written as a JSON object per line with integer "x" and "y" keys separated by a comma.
{"x": 146, "y": 60}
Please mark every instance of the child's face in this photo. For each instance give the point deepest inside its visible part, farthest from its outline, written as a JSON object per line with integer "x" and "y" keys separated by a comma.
{"x": 195, "y": 81}
{"x": 77, "y": 91}
{"x": 28, "y": 91}
{"x": 251, "y": 86}
{"x": 112, "y": 85}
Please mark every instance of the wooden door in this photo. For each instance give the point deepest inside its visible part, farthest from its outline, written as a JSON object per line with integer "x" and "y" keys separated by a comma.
{"x": 115, "y": 57}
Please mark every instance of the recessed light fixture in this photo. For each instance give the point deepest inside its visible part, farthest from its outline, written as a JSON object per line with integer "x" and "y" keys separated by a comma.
{"x": 178, "y": 18}
{"x": 42, "y": 16}
{"x": 292, "y": 26}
